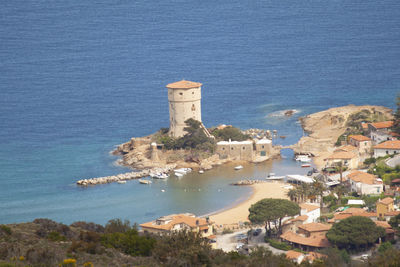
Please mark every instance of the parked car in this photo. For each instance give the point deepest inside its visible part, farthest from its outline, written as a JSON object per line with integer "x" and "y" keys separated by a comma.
{"x": 257, "y": 232}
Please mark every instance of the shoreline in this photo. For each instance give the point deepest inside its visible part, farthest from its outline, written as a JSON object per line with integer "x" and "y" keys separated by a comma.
{"x": 231, "y": 217}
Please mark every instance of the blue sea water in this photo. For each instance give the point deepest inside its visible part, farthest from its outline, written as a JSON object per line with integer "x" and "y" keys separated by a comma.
{"x": 79, "y": 77}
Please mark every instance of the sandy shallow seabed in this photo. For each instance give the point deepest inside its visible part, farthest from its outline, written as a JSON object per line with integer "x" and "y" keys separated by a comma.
{"x": 240, "y": 212}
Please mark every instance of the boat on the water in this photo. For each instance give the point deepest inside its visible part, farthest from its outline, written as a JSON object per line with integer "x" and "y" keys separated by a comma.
{"x": 161, "y": 176}
{"x": 178, "y": 174}
{"x": 239, "y": 167}
{"x": 121, "y": 182}
{"x": 303, "y": 158}
{"x": 183, "y": 170}
{"x": 144, "y": 181}
{"x": 201, "y": 171}
{"x": 305, "y": 165}
{"x": 272, "y": 176}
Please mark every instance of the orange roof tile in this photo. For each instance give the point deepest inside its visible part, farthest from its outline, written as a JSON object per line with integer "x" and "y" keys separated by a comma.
{"x": 300, "y": 218}
{"x": 311, "y": 256}
{"x": 382, "y": 124}
{"x": 174, "y": 219}
{"x": 386, "y": 201}
{"x": 308, "y": 207}
{"x": 293, "y": 255}
{"x": 315, "y": 227}
{"x": 313, "y": 241}
{"x": 183, "y": 85}
{"x": 363, "y": 177}
{"x": 359, "y": 137}
{"x": 394, "y": 144}
{"x": 364, "y": 125}
{"x": 342, "y": 155}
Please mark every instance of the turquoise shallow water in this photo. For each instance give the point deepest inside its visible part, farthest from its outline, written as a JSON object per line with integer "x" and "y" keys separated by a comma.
{"x": 78, "y": 78}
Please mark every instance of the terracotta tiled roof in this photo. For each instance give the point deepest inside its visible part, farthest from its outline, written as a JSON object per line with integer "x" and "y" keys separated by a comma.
{"x": 364, "y": 125}
{"x": 394, "y": 144}
{"x": 174, "y": 219}
{"x": 318, "y": 241}
{"x": 300, "y": 218}
{"x": 392, "y": 213}
{"x": 308, "y": 207}
{"x": 183, "y": 85}
{"x": 346, "y": 148}
{"x": 359, "y": 138}
{"x": 394, "y": 134}
{"x": 293, "y": 255}
{"x": 396, "y": 180}
{"x": 353, "y": 212}
{"x": 363, "y": 177}
{"x": 315, "y": 227}
{"x": 382, "y": 124}
{"x": 311, "y": 256}
{"x": 386, "y": 201}
{"x": 342, "y": 155}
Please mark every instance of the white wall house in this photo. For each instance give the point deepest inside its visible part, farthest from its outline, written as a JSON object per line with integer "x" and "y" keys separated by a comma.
{"x": 381, "y": 136}
{"x": 364, "y": 183}
{"x": 312, "y": 211}
{"x": 387, "y": 148}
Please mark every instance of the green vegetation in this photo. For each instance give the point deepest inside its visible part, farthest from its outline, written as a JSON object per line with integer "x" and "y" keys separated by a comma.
{"x": 227, "y": 231}
{"x": 385, "y": 172}
{"x": 278, "y": 245}
{"x": 56, "y": 236}
{"x": 270, "y": 210}
{"x": 385, "y": 246}
{"x": 229, "y": 132}
{"x": 355, "y": 233}
{"x": 5, "y": 229}
{"x": 395, "y": 223}
{"x": 194, "y": 139}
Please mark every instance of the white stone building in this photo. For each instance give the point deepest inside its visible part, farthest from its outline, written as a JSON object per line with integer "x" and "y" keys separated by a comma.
{"x": 387, "y": 148}
{"x": 364, "y": 183}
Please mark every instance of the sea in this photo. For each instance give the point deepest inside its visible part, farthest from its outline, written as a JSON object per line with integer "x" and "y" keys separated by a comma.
{"x": 78, "y": 78}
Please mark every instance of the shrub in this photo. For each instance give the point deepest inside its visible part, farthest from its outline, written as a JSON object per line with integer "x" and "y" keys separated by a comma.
{"x": 117, "y": 226}
{"x": 278, "y": 245}
{"x": 55, "y": 236}
{"x": 385, "y": 246}
{"x": 5, "y": 229}
{"x": 91, "y": 227}
{"x": 227, "y": 231}
{"x": 233, "y": 133}
{"x": 129, "y": 242}
{"x": 69, "y": 263}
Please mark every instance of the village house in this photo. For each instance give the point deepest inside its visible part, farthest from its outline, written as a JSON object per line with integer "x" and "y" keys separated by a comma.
{"x": 347, "y": 159}
{"x": 299, "y": 257}
{"x": 380, "y": 131}
{"x": 387, "y": 148}
{"x": 312, "y": 212}
{"x": 363, "y": 144}
{"x": 256, "y": 150}
{"x": 308, "y": 237}
{"x": 364, "y": 183}
{"x": 384, "y": 206}
{"x": 179, "y": 222}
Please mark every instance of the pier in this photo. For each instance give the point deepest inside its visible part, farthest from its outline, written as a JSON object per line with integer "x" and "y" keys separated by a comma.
{"x": 125, "y": 176}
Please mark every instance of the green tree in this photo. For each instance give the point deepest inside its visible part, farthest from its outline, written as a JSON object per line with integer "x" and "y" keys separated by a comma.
{"x": 354, "y": 233}
{"x": 389, "y": 258}
{"x": 396, "y": 121}
{"x": 319, "y": 188}
{"x": 233, "y": 133}
{"x": 271, "y": 210}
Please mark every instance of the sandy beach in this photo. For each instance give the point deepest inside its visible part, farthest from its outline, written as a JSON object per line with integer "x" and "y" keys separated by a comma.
{"x": 240, "y": 212}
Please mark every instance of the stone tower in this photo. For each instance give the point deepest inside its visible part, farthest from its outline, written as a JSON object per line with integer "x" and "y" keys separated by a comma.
{"x": 184, "y": 103}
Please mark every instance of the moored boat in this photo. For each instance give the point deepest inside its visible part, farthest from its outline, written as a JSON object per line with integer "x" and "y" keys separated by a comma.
{"x": 239, "y": 167}
{"x": 144, "y": 181}
{"x": 121, "y": 182}
{"x": 305, "y": 165}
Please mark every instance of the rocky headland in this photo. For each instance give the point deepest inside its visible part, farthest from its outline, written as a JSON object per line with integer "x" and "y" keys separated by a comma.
{"x": 325, "y": 127}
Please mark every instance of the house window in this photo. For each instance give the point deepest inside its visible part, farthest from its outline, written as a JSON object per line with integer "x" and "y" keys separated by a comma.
{"x": 231, "y": 148}
{"x": 387, "y": 152}
{"x": 223, "y": 148}
{"x": 193, "y": 93}
{"x": 244, "y": 148}
{"x": 262, "y": 146}
{"x": 181, "y": 93}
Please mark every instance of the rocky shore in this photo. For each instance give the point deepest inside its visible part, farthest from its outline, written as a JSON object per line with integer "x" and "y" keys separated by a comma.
{"x": 125, "y": 176}
{"x": 325, "y": 127}
{"x": 248, "y": 182}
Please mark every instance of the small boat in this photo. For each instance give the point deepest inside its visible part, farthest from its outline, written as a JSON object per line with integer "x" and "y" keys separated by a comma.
{"x": 239, "y": 167}
{"x": 303, "y": 158}
{"x": 161, "y": 176}
{"x": 178, "y": 174}
{"x": 144, "y": 181}
{"x": 162, "y": 190}
{"x": 275, "y": 177}
{"x": 121, "y": 182}
{"x": 183, "y": 170}
{"x": 201, "y": 171}
{"x": 305, "y": 165}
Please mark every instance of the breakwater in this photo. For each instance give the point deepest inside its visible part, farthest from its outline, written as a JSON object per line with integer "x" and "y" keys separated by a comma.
{"x": 125, "y": 176}
{"x": 248, "y": 182}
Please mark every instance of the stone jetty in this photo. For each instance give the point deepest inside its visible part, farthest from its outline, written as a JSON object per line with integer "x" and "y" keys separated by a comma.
{"x": 125, "y": 176}
{"x": 248, "y": 182}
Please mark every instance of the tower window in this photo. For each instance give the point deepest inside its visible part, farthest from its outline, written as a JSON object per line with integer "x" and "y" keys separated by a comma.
{"x": 181, "y": 93}
{"x": 193, "y": 93}
{"x": 193, "y": 107}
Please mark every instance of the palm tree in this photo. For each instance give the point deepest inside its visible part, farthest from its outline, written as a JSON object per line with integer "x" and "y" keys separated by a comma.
{"x": 340, "y": 190}
{"x": 319, "y": 189}
{"x": 292, "y": 194}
